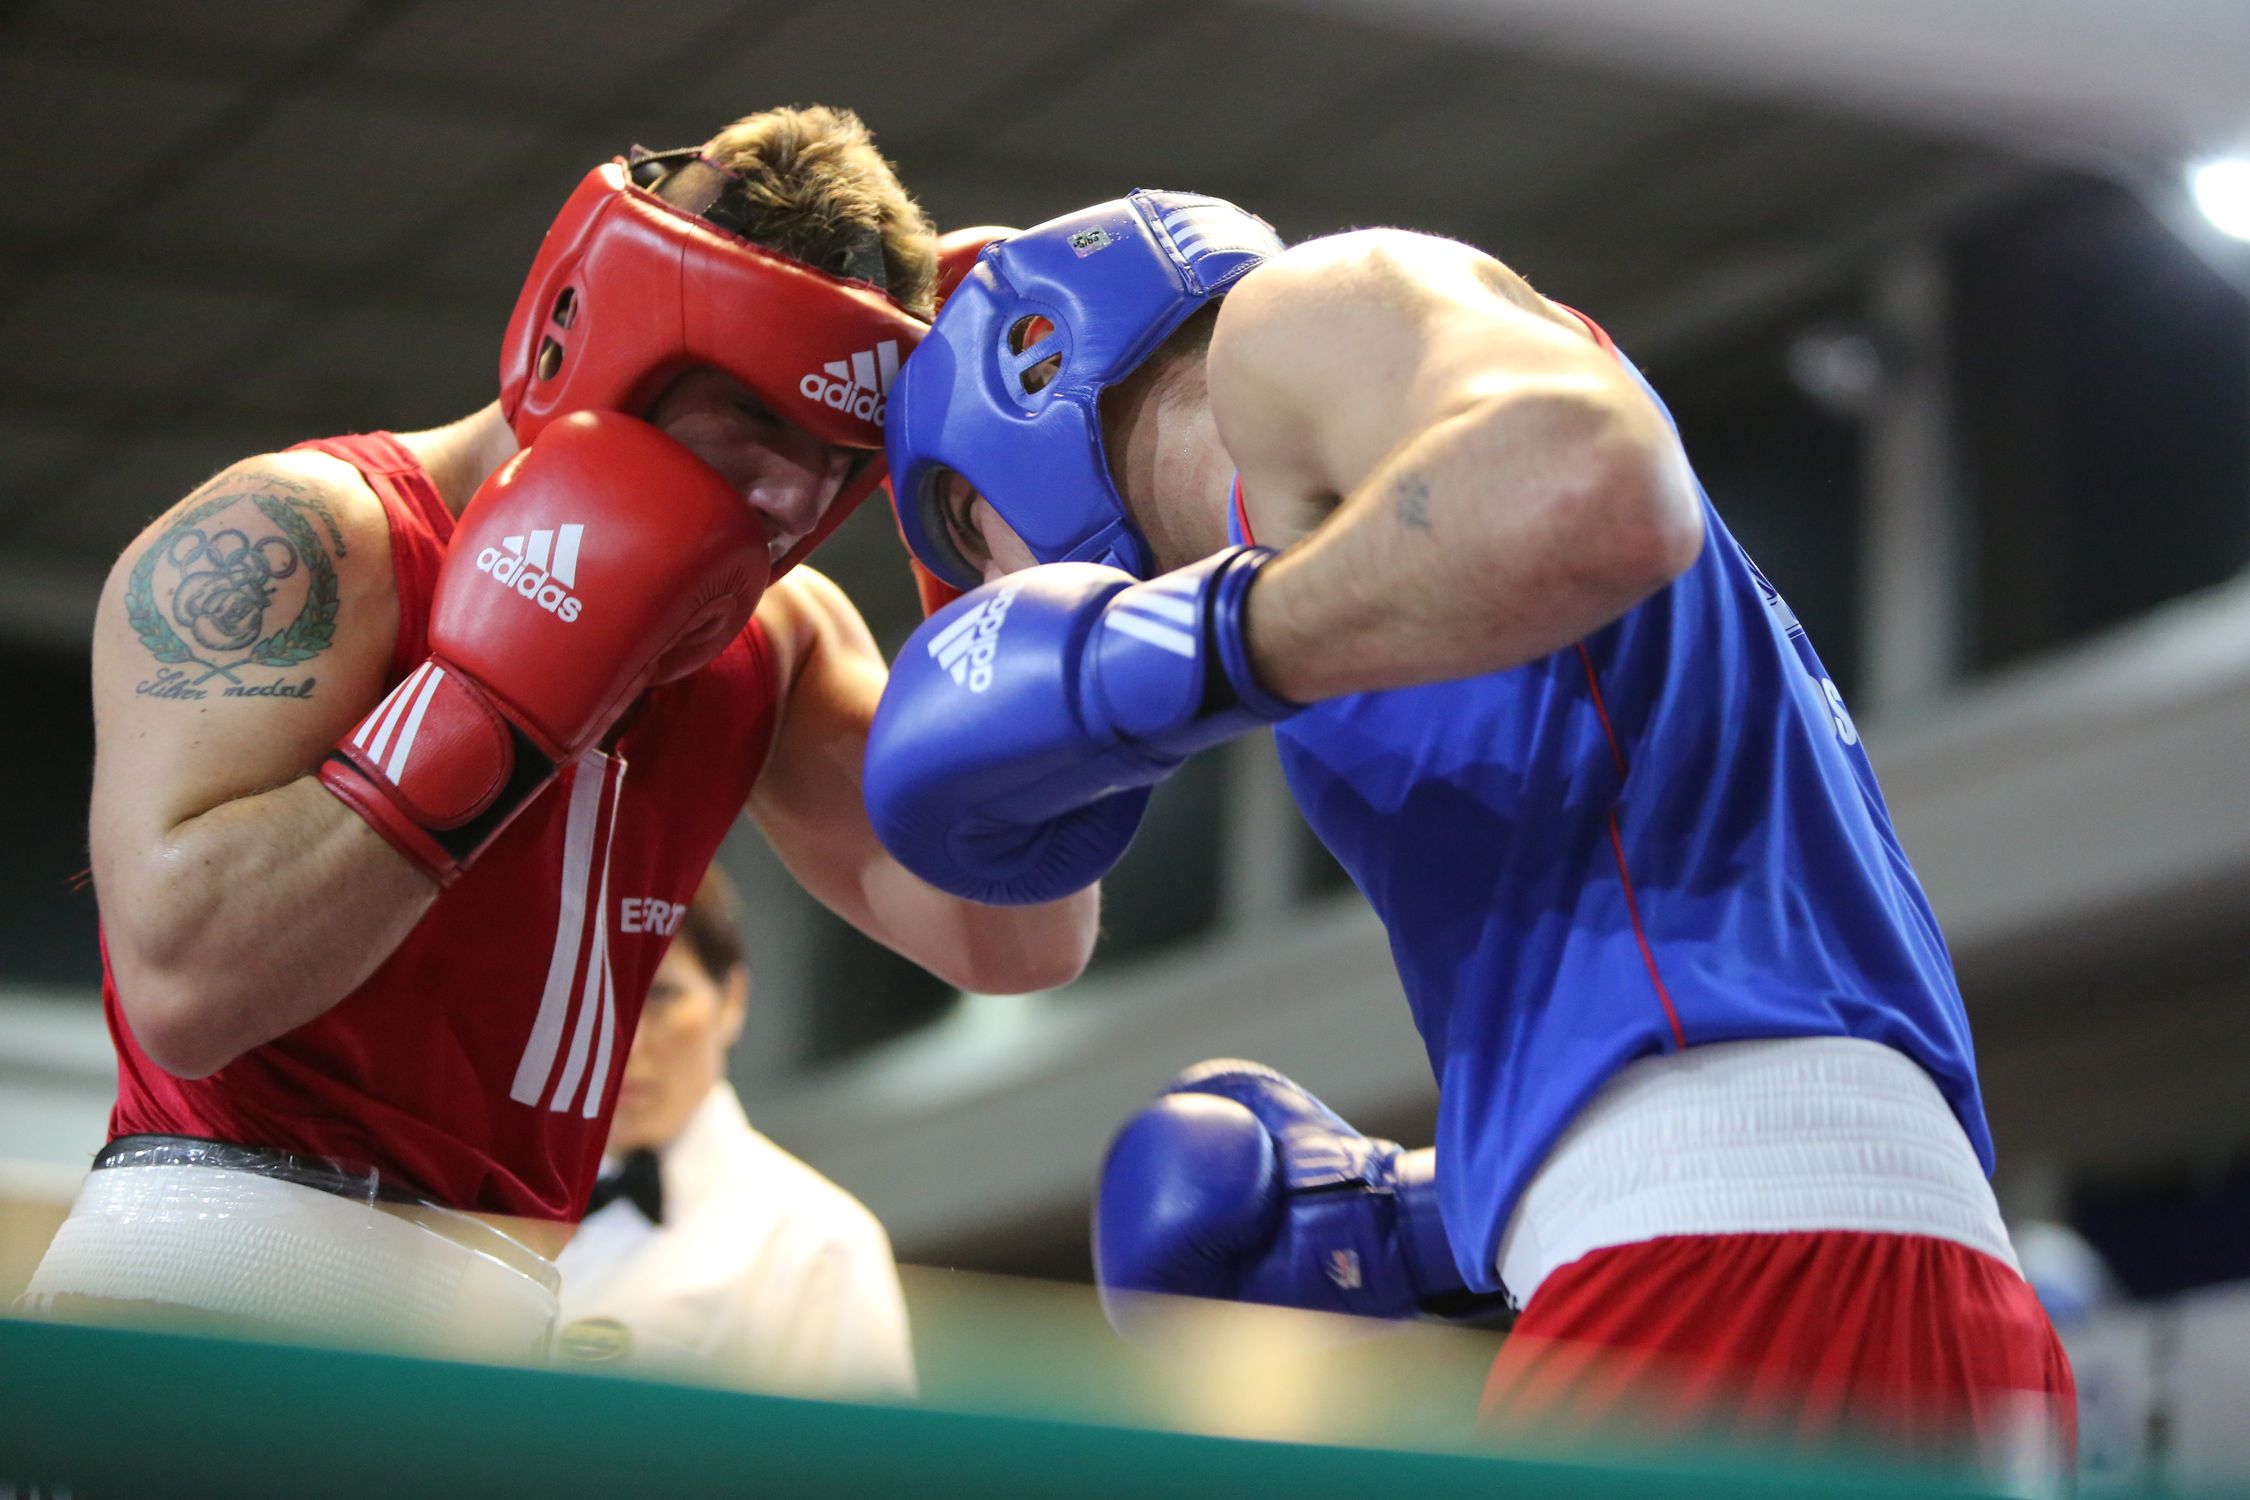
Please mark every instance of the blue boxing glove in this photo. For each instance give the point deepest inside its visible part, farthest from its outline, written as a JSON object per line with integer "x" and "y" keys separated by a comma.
{"x": 1011, "y": 756}
{"x": 1238, "y": 1184}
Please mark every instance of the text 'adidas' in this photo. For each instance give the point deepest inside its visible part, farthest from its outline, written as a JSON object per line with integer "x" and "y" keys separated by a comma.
{"x": 967, "y": 647}
{"x": 859, "y": 385}
{"x": 543, "y": 568}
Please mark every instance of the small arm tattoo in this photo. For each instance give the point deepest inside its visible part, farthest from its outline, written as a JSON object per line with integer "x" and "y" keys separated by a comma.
{"x": 1413, "y": 504}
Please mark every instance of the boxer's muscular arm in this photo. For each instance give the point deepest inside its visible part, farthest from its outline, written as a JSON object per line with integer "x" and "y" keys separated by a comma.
{"x": 1500, "y": 487}
{"x": 239, "y": 899}
{"x": 808, "y": 804}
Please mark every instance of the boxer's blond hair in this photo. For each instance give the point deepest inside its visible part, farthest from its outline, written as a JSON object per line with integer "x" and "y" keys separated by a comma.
{"x": 816, "y": 185}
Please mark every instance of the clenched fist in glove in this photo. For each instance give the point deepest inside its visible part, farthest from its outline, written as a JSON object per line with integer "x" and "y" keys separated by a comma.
{"x": 1236, "y": 1183}
{"x": 1010, "y": 758}
{"x": 602, "y": 559}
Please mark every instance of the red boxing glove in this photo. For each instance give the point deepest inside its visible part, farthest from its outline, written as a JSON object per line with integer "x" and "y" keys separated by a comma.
{"x": 603, "y": 558}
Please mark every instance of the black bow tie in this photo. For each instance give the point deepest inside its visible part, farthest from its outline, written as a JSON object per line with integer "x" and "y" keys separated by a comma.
{"x": 637, "y": 1180}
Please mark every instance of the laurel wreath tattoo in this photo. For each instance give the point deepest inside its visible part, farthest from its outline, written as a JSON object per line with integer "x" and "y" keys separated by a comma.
{"x": 217, "y": 610}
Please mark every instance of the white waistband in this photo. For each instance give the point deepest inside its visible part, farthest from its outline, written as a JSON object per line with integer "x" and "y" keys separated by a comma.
{"x": 1764, "y": 1137}
{"x": 238, "y": 1244}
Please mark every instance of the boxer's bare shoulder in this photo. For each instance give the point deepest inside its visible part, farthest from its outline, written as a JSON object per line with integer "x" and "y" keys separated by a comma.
{"x": 240, "y": 633}
{"x": 1400, "y": 267}
{"x": 804, "y": 616}
{"x": 1330, "y": 354}
{"x": 828, "y": 676}
{"x": 254, "y": 587}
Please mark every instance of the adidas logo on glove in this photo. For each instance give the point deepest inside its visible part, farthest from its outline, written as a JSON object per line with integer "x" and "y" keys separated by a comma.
{"x": 967, "y": 647}
{"x": 857, "y": 386}
{"x": 543, "y": 568}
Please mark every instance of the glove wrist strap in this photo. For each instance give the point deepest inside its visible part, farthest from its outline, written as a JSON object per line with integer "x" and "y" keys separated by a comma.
{"x": 1228, "y": 624}
{"x": 1170, "y": 668}
{"x": 438, "y": 770}
{"x": 1438, "y": 1287}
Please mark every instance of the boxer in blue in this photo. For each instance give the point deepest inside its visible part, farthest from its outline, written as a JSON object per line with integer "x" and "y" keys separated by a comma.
{"x": 1708, "y": 1104}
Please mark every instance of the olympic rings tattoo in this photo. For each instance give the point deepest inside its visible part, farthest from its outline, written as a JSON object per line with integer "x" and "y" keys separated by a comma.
{"x": 223, "y": 603}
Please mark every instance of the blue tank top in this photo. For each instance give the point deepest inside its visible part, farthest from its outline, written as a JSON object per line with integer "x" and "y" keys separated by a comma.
{"x": 1665, "y": 836}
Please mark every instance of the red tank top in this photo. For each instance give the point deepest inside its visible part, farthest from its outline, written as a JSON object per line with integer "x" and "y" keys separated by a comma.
{"x": 479, "y": 1065}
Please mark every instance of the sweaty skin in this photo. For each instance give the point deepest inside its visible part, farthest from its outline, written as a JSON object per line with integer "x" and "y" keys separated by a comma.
{"x": 1462, "y": 479}
{"x": 241, "y": 900}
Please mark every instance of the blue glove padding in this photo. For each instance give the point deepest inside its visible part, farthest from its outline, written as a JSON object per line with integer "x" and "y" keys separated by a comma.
{"x": 1236, "y": 1183}
{"x": 1010, "y": 757}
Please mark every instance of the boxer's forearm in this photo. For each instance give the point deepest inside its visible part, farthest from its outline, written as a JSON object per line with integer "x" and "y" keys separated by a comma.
{"x": 817, "y": 824}
{"x": 1508, "y": 531}
{"x": 251, "y": 919}
{"x": 811, "y": 805}
{"x": 991, "y": 950}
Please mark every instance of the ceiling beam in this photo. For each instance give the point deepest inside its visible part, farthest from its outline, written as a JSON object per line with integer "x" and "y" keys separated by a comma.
{"x": 2073, "y": 76}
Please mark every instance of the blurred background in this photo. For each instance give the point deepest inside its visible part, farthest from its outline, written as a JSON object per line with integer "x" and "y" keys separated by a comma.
{"x": 1955, "y": 330}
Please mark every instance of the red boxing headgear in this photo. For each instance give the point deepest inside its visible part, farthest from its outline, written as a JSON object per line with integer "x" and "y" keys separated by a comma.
{"x": 629, "y": 292}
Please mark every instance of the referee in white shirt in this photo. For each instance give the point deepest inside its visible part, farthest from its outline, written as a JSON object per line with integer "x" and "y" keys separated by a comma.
{"x": 708, "y": 1252}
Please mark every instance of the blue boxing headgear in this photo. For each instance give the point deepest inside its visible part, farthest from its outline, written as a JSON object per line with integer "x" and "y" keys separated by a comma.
{"x": 1006, "y": 388}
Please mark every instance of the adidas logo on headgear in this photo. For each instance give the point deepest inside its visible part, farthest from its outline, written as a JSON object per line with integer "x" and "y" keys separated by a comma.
{"x": 858, "y": 385}
{"x": 966, "y": 647}
{"x": 543, "y": 568}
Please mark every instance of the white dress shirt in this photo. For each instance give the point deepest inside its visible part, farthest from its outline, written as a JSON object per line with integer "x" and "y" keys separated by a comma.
{"x": 764, "y": 1274}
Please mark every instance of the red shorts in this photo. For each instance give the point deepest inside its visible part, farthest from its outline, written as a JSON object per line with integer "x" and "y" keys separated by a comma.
{"x": 1916, "y": 1347}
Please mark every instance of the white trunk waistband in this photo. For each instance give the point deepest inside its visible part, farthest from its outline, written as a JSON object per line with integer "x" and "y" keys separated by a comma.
{"x": 238, "y": 1244}
{"x": 1764, "y": 1137}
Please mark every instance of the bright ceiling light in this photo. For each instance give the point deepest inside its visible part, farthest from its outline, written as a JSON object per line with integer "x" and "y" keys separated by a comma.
{"x": 2222, "y": 191}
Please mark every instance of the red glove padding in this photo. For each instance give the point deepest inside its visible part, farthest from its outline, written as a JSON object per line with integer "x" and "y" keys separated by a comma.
{"x": 958, "y": 250}
{"x": 603, "y": 558}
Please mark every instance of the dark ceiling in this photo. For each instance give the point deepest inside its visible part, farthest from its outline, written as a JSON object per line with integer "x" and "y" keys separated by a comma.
{"x": 231, "y": 226}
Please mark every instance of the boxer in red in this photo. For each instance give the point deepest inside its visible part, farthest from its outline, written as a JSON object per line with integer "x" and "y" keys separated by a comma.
{"x": 411, "y": 749}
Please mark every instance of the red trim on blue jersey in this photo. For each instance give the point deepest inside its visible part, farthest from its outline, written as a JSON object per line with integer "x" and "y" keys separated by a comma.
{"x": 1616, "y": 836}
{"x": 1609, "y": 732}
{"x": 1617, "y": 848}
{"x": 1601, "y": 335}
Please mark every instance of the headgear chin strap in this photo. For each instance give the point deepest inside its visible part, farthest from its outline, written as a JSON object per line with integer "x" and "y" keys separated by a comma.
{"x": 635, "y": 285}
{"x": 1006, "y": 390}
